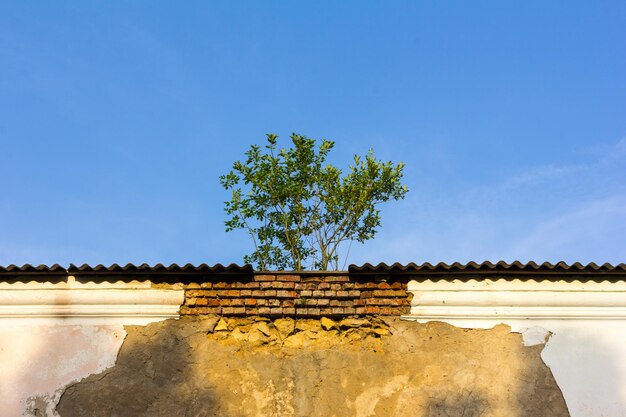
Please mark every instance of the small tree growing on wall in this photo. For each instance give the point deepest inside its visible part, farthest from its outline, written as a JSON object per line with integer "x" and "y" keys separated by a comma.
{"x": 298, "y": 209}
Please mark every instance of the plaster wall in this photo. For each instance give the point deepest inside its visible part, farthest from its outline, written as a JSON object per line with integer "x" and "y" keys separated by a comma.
{"x": 584, "y": 324}
{"x": 54, "y": 334}
{"x": 365, "y": 367}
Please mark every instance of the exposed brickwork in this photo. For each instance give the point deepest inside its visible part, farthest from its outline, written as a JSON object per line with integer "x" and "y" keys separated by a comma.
{"x": 298, "y": 296}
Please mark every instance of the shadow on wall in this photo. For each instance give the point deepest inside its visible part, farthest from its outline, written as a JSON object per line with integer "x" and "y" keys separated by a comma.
{"x": 41, "y": 350}
{"x": 174, "y": 368}
{"x": 151, "y": 378}
{"x": 470, "y": 405}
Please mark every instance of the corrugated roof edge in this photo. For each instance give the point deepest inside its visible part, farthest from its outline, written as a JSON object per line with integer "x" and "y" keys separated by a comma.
{"x": 189, "y": 272}
{"x": 158, "y": 269}
{"x": 115, "y": 272}
{"x": 40, "y": 269}
{"x": 487, "y": 268}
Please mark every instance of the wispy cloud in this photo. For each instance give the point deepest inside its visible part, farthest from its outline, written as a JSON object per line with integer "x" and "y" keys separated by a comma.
{"x": 541, "y": 174}
{"x": 572, "y": 212}
{"x": 592, "y": 231}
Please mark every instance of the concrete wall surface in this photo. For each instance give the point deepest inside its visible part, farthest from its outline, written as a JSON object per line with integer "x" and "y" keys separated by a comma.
{"x": 258, "y": 367}
{"x": 487, "y": 347}
{"x": 54, "y": 334}
{"x": 582, "y": 323}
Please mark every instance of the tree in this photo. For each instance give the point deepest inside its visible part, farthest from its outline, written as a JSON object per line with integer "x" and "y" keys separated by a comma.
{"x": 298, "y": 210}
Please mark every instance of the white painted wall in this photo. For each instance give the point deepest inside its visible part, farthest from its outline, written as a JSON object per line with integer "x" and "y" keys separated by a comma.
{"x": 584, "y": 325}
{"x": 54, "y": 334}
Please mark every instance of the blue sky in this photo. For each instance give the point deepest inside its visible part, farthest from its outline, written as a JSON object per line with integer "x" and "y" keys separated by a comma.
{"x": 116, "y": 119}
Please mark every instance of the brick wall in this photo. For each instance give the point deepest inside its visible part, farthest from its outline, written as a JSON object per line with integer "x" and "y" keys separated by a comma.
{"x": 297, "y": 295}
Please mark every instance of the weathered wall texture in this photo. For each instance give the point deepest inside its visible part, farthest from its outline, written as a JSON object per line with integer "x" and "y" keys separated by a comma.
{"x": 298, "y": 295}
{"x": 37, "y": 361}
{"x": 52, "y": 334}
{"x": 586, "y": 351}
{"x": 244, "y": 367}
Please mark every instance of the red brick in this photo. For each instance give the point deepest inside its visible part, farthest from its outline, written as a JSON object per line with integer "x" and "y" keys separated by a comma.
{"x": 289, "y": 311}
{"x": 252, "y": 285}
{"x": 354, "y": 293}
{"x": 329, "y": 293}
{"x": 266, "y": 285}
{"x": 337, "y": 310}
{"x": 336, "y": 287}
{"x": 388, "y": 311}
{"x": 348, "y": 285}
{"x": 343, "y": 294}
{"x": 337, "y": 278}
{"x": 288, "y": 303}
{"x": 237, "y": 302}
{"x": 310, "y": 302}
{"x": 206, "y": 284}
{"x": 273, "y": 302}
{"x": 228, "y": 310}
{"x": 349, "y": 310}
{"x": 221, "y": 284}
{"x": 212, "y": 302}
{"x": 264, "y": 310}
{"x": 285, "y": 285}
{"x": 317, "y": 293}
{"x": 372, "y": 310}
{"x": 323, "y": 301}
{"x": 258, "y": 293}
{"x": 382, "y": 293}
{"x": 286, "y": 294}
{"x": 239, "y": 311}
{"x": 323, "y": 286}
{"x": 276, "y": 311}
{"x": 269, "y": 293}
{"x": 194, "y": 293}
{"x": 306, "y": 293}
{"x": 202, "y": 301}
{"x": 251, "y": 311}
{"x": 364, "y": 285}
{"x": 384, "y": 286}
{"x": 359, "y": 310}
{"x": 246, "y": 293}
{"x": 196, "y": 311}
{"x": 192, "y": 286}
{"x": 265, "y": 278}
{"x": 396, "y": 285}
{"x": 261, "y": 302}
{"x": 224, "y": 301}
{"x": 289, "y": 278}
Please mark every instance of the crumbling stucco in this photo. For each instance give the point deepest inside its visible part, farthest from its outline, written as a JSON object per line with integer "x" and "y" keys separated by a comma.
{"x": 38, "y": 361}
{"x": 282, "y": 368}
